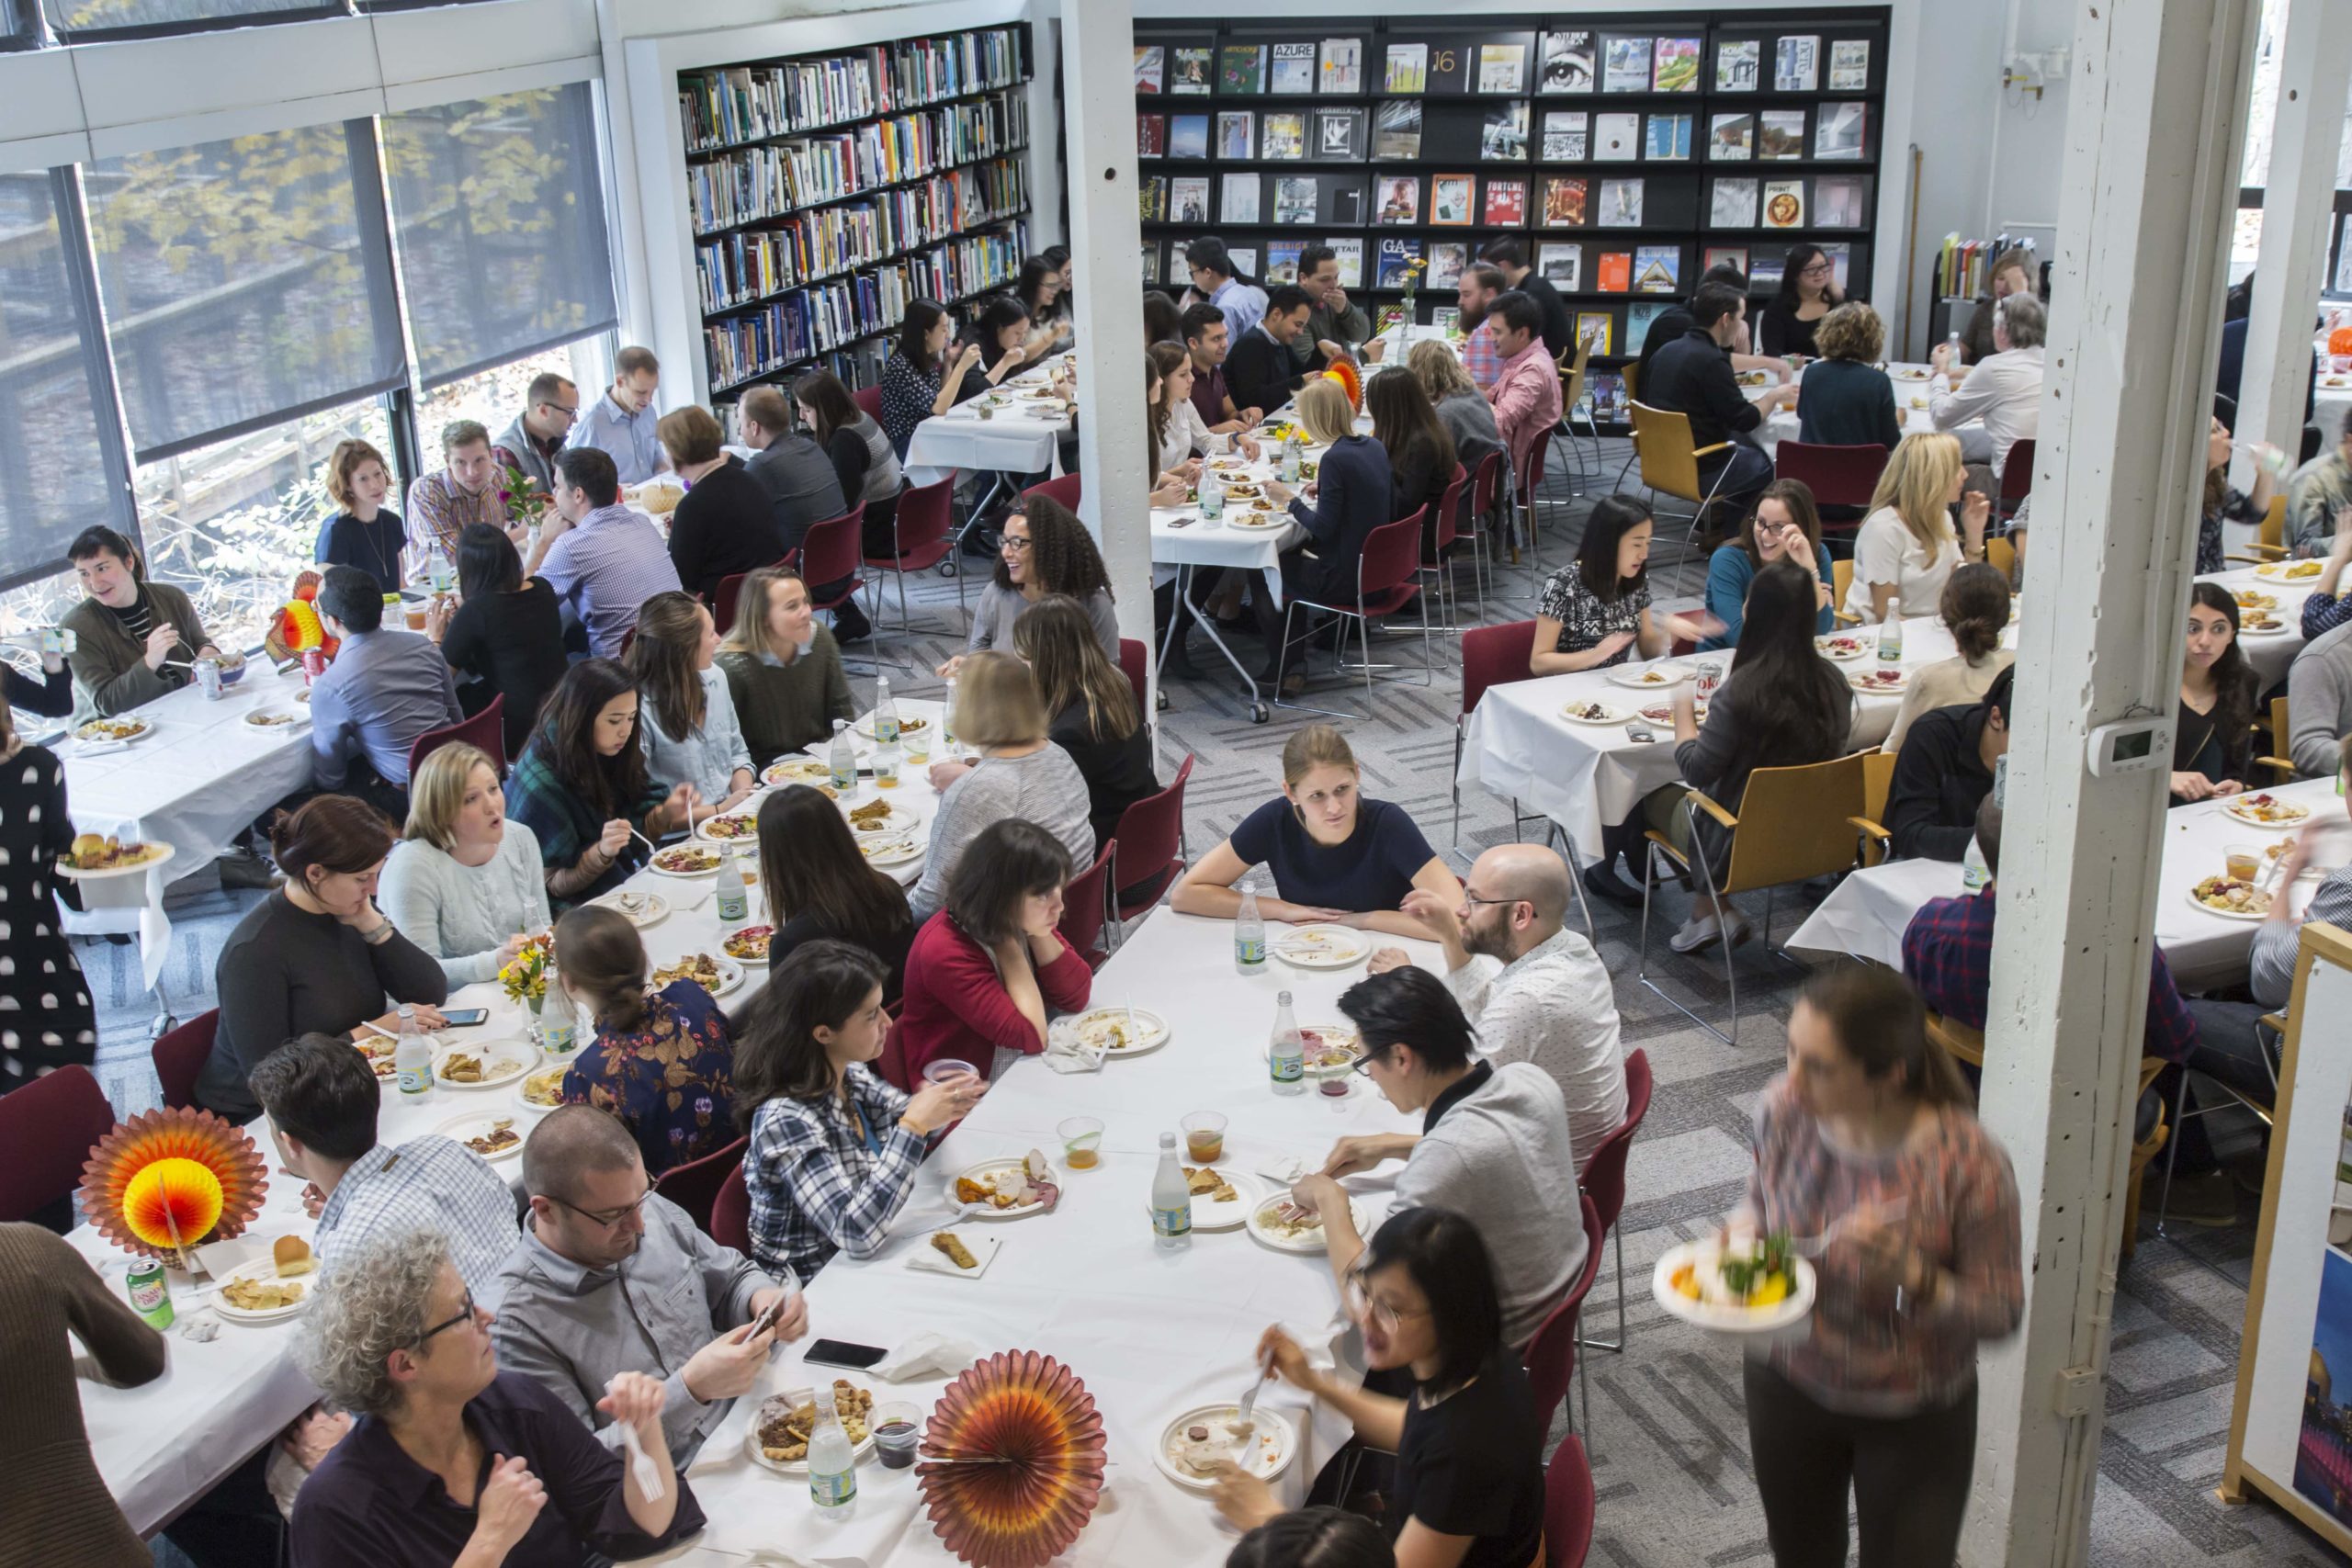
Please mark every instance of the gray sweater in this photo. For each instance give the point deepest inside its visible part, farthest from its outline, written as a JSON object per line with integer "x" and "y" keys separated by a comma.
{"x": 1000, "y": 607}
{"x": 706, "y": 758}
{"x": 2319, "y": 703}
{"x": 1043, "y": 787}
{"x": 460, "y": 913}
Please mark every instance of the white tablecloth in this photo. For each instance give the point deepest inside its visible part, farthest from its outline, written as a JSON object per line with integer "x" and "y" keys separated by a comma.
{"x": 1011, "y": 441}
{"x": 1867, "y": 914}
{"x": 1911, "y": 412}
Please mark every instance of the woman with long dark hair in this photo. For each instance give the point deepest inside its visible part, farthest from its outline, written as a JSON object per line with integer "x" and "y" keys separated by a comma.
{"x": 918, "y": 379}
{"x": 1092, "y": 712}
{"x": 1469, "y": 1486}
{"x": 1320, "y": 1537}
{"x": 1163, "y": 320}
{"x": 2223, "y": 502}
{"x": 834, "y": 1146}
{"x": 1041, "y": 293}
{"x": 862, "y": 461}
{"x": 1868, "y": 1140}
{"x": 1976, "y": 609}
{"x": 2214, "y": 744}
{"x": 687, "y": 725}
{"x": 1784, "y": 525}
{"x": 1808, "y": 292}
{"x": 1003, "y": 334}
{"x": 1420, "y": 452}
{"x": 505, "y": 636}
{"x": 1595, "y": 611}
{"x": 581, "y": 785}
{"x": 1782, "y": 705}
{"x": 660, "y": 1062}
{"x": 819, "y": 885}
{"x": 1045, "y": 549}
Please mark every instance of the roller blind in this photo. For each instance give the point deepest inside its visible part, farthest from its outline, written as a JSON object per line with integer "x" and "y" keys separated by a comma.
{"x": 89, "y": 20}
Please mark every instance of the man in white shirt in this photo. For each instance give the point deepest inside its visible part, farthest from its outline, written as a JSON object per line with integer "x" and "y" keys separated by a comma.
{"x": 1536, "y": 991}
{"x": 2004, "y": 390}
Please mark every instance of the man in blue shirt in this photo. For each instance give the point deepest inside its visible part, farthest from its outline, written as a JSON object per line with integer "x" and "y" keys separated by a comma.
{"x": 1243, "y": 303}
{"x": 384, "y": 689}
{"x": 620, "y": 423}
{"x": 601, "y": 559}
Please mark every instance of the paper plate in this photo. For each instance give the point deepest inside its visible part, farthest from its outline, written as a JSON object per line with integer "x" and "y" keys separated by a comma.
{"x": 276, "y": 718}
{"x": 2195, "y": 902}
{"x": 729, "y": 827}
{"x": 141, "y": 869}
{"x": 2278, "y": 571}
{"x": 640, "y": 909}
{"x": 1601, "y": 714}
{"x": 1651, "y": 677}
{"x": 980, "y": 1172}
{"x": 902, "y": 819}
{"x": 797, "y": 769}
{"x": 1100, "y": 1026}
{"x": 1276, "y": 1444}
{"x": 793, "y": 1466}
{"x": 1320, "y": 947}
{"x": 261, "y": 1269}
{"x": 981, "y": 1243}
{"x": 1235, "y": 1211}
{"x": 94, "y": 732}
{"x": 2231, "y": 809}
{"x": 459, "y": 1128}
{"x": 1782, "y": 1315}
{"x": 1872, "y": 682}
{"x": 658, "y": 869}
{"x": 1844, "y": 649}
{"x": 515, "y": 1056}
{"x": 1307, "y": 1241}
{"x": 891, "y": 849}
{"x": 730, "y": 975}
{"x": 553, "y": 1075}
{"x": 909, "y": 724}
{"x": 754, "y": 936}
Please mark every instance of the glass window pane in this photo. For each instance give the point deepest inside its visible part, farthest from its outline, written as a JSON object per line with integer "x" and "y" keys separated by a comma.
{"x": 244, "y": 282}
{"x": 53, "y": 468}
{"x": 88, "y": 18}
{"x": 498, "y": 206}
{"x": 493, "y": 396}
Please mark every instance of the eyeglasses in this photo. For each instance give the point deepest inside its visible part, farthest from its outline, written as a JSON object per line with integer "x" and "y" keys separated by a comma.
{"x": 609, "y": 1218}
{"x": 569, "y": 410}
{"x": 1362, "y": 1303}
{"x": 1364, "y": 1064}
{"x": 1818, "y": 269}
{"x": 1016, "y": 542}
{"x": 1470, "y": 897}
{"x": 465, "y": 1316}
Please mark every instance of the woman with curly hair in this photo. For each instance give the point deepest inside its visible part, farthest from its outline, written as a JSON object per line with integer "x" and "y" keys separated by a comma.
{"x": 1045, "y": 550}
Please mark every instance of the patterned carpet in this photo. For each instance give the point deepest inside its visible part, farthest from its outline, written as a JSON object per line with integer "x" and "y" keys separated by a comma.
{"x": 1667, "y": 1431}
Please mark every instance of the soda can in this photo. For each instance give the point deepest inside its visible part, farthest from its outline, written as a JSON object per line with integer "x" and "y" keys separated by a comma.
{"x": 150, "y": 1297}
{"x": 208, "y": 675}
{"x": 1711, "y": 675}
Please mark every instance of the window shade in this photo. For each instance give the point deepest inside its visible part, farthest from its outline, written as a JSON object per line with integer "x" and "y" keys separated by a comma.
{"x": 245, "y": 281}
{"x": 498, "y": 206}
{"x": 88, "y": 20}
{"x": 60, "y": 469}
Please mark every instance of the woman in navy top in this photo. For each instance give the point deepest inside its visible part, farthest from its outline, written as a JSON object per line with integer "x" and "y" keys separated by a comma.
{"x": 365, "y": 533}
{"x": 1335, "y": 855}
{"x": 1784, "y": 527}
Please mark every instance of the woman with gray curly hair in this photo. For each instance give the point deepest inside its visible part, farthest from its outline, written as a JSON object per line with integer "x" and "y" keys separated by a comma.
{"x": 453, "y": 1463}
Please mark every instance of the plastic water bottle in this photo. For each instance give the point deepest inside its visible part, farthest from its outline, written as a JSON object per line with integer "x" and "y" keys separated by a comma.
{"x": 1249, "y": 932}
{"x": 1890, "y": 636}
{"x": 1286, "y": 1056}
{"x": 1212, "y": 496}
{"x": 1172, "y": 1201}
{"x": 885, "y": 712}
{"x": 1952, "y": 367}
{"x": 733, "y": 904}
{"x": 1288, "y": 472}
{"x": 1973, "y": 873}
{"x": 948, "y": 723}
{"x": 833, "y": 1466}
{"x": 413, "y": 1057}
{"x": 558, "y": 1019}
{"x": 843, "y": 759}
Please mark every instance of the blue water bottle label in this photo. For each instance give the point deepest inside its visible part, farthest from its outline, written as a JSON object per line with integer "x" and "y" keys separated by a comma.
{"x": 833, "y": 1491}
{"x": 1172, "y": 1221}
{"x": 1287, "y": 1069}
{"x": 1249, "y": 950}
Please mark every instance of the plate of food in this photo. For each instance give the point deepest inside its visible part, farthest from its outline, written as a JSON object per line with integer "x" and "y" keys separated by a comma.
{"x": 1663, "y": 713}
{"x": 276, "y": 718}
{"x": 1330, "y": 1048}
{"x": 889, "y": 849}
{"x": 543, "y": 1090}
{"x": 778, "y": 1435}
{"x": 1222, "y": 1200}
{"x": 2264, "y": 809}
{"x": 95, "y": 855}
{"x": 1755, "y": 377}
{"x": 748, "y": 945}
{"x": 640, "y": 909}
{"x": 797, "y": 769}
{"x": 1909, "y": 373}
{"x": 882, "y": 817}
{"x": 1119, "y": 1032}
{"x": 2250, "y": 599}
{"x": 1196, "y": 1445}
{"x": 963, "y": 1254}
{"x": 1743, "y": 1284}
{"x": 114, "y": 731}
{"x": 378, "y": 1049}
{"x": 1286, "y": 1227}
{"x": 1008, "y": 1188}
{"x": 2230, "y": 899}
{"x": 1841, "y": 648}
{"x": 1670, "y": 672}
{"x": 2270, "y": 571}
{"x": 2255, "y": 624}
{"x": 1321, "y": 947}
{"x": 729, "y": 827}
{"x": 908, "y": 725}
{"x": 685, "y": 860}
{"x": 485, "y": 1064}
{"x": 1599, "y": 714}
{"x": 269, "y": 1290}
{"x": 1882, "y": 681}
{"x": 1241, "y": 489}
{"x": 489, "y": 1135}
{"x": 1261, "y": 520}
{"x": 717, "y": 976}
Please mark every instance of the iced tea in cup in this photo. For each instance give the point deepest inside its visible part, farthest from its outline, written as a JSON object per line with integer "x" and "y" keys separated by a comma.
{"x": 1081, "y": 1139}
{"x": 2244, "y": 862}
{"x": 1205, "y": 1136}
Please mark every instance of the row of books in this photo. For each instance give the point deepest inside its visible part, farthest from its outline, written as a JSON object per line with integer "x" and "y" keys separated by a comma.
{"x": 1568, "y": 135}
{"x": 1558, "y": 63}
{"x": 833, "y": 314}
{"x": 1560, "y": 201}
{"x": 745, "y": 103}
{"x": 747, "y": 266}
{"x": 857, "y": 364}
{"x": 1964, "y": 267}
{"x": 776, "y": 179}
{"x": 1643, "y": 269}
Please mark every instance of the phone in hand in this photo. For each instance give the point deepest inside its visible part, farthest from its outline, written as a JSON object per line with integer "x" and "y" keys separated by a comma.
{"x": 767, "y": 1320}
{"x": 464, "y": 1018}
{"x": 840, "y": 1353}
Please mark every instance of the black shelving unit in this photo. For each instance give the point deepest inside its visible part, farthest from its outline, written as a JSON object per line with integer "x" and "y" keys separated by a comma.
{"x": 1465, "y": 99}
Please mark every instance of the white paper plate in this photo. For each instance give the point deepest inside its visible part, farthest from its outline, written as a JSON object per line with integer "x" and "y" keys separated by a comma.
{"x": 759, "y": 960}
{"x": 1832, "y": 648}
{"x": 748, "y": 820}
{"x": 529, "y": 1106}
{"x": 731, "y": 974}
{"x": 2230, "y": 809}
{"x": 1320, "y": 947}
{"x": 2199, "y": 903}
{"x": 1305, "y": 1241}
{"x": 2278, "y": 570}
{"x": 903, "y": 819}
{"x": 797, "y": 769}
{"x": 1795, "y": 1308}
{"x": 909, "y": 724}
{"x": 1276, "y": 1442}
{"x": 144, "y": 729}
{"x": 520, "y": 1056}
{"x": 981, "y": 1243}
{"x": 1248, "y": 1193}
{"x": 1152, "y": 1029}
{"x": 1664, "y": 715}
{"x": 640, "y": 909}
{"x": 2275, "y": 628}
{"x": 1673, "y": 673}
{"x": 891, "y": 849}
{"x": 141, "y": 869}
{"x": 457, "y": 1129}
{"x": 1863, "y": 681}
{"x": 658, "y": 869}
{"x": 793, "y": 1466}
{"x": 1254, "y": 522}
{"x": 1575, "y": 713}
{"x": 988, "y": 1167}
{"x": 284, "y": 719}
{"x": 264, "y": 1267}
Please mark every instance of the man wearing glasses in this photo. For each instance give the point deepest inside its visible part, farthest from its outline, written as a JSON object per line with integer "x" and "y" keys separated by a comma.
{"x": 531, "y": 444}
{"x": 611, "y": 1278}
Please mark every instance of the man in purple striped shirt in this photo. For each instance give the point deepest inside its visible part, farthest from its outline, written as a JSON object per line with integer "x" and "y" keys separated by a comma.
{"x": 600, "y": 558}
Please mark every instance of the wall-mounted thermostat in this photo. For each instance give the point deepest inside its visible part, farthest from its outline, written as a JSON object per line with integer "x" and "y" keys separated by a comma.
{"x": 2132, "y": 745}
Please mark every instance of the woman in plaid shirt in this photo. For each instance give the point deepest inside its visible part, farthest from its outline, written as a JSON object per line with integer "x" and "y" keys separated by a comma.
{"x": 833, "y": 1147}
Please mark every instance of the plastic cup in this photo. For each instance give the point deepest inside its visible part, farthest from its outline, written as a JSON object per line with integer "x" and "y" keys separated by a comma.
{"x": 2244, "y": 862}
{"x": 1205, "y": 1136}
{"x": 898, "y": 1432}
{"x": 1081, "y": 1139}
{"x": 940, "y": 1069}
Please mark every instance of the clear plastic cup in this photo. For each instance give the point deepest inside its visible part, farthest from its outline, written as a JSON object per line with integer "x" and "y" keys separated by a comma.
{"x": 1081, "y": 1139}
{"x": 1205, "y": 1136}
{"x": 2244, "y": 862}
{"x": 897, "y": 1426}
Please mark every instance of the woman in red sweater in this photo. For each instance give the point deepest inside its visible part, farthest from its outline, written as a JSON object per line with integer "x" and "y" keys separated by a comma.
{"x": 988, "y": 969}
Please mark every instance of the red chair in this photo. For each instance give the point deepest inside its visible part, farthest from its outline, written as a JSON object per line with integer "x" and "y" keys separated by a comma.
{"x": 486, "y": 730}
{"x": 1435, "y": 558}
{"x": 729, "y": 599}
{"x": 1153, "y": 830}
{"x": 1538, "y": 453}
{"x": 2017, "y": 477}
{"x": 1551, "y": 1358}
{"x": 48, "y": 1128}
{"x": 1485, "y": 485}
{"x": 920, "y": 531}
{"x": 870, "y": 402}
{"x": 179, "y": 1056}
{"x": 1063, "y": 489}
{"x": 1389, "y": 578}
{"x": 1491, "y": 656}
{"x": 1841, "y": 478}
{"x": 1135, "y": 663}
{"x": 1569, "y": 1505}
{"x": 695, "y": 1185}
{"x": 829, "y": 553}
{"x": 1086, "y": 906}
{"x": 892, "y": 1063}
{"x": 730, "y": 1213}
{"x": 1604, "y": 1179}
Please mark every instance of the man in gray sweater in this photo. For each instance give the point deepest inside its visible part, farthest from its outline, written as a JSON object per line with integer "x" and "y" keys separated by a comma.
{"x": 2319, "y": 701}
{"x": 789, "y": 465}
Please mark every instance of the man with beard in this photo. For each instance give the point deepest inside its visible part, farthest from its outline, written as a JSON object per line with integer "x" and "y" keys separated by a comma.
{"x": 1536, "y": 991}
{"x": 1480, "y": 283}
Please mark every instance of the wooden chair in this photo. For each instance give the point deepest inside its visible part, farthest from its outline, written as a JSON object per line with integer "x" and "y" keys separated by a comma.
{"x": 179, "y": 1056}
{"x": 2002, "y": 557}
{"x": 1669, "y": 463}
{"x": 1877, "y": 776}
{"x": 2270, "y": 535}
{"x": 2273, "y": 732}
{"x": 1795, "y": 824}
{"x": 1570, "y": 1504}
{"x": 1551, "y": 1358}
{"x": 1841, "y": 583}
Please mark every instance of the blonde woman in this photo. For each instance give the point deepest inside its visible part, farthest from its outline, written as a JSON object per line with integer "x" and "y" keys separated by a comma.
{"x": 1905, "y": 548}
{"x": 1335, "y": 856}
{"x": 783, "y": 669}
{"x": 1463, "y": 410}
{"x": 1021, "y": 774}
{"x": 364, "y": 532}
{"x": 689, "y": 730}
{"x": 464, "y": 883}
{"x": 1352, "y": 495}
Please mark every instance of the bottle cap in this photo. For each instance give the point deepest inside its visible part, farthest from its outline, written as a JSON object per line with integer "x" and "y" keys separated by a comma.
{"x": 1167, "y": 1140}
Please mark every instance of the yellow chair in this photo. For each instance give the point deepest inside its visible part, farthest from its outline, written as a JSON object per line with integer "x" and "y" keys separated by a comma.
{"x": 2272, "y": 733}
{"x": 1841, "y": 583}
{"x": 1792, "y": 826}
{"x": 1669, "y": 463}
{"x": 2270, "y": 536}
{"x": 2002, "y": 557}
{"x": 1878, "y": 776}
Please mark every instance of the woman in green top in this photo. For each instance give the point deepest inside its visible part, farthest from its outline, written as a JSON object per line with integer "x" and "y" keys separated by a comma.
{"x": 581, "y": 786}
{"x": 783, "y": 669}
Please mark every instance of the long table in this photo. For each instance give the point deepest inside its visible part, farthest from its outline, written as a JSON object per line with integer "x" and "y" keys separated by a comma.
{"x": 1021, "y": 436}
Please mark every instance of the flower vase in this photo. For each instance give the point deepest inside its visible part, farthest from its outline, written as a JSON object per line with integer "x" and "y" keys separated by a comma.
{"x": 1405, "y": 334}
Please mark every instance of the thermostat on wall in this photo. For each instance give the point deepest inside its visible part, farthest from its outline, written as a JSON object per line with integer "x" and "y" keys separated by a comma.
{"x": 2130, "y": 745}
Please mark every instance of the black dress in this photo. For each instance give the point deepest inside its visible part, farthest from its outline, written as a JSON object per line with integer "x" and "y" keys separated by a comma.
{"x": 508, "y": 645}
{"x": 1781, "y": 333}
{"x": 46, "y": 1018}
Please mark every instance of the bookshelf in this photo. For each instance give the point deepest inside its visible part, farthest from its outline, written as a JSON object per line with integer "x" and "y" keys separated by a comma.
{"x": 1628, "y": 151}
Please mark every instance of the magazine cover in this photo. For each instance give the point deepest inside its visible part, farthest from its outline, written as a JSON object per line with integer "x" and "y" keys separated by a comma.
{"x": 1838, "y": 203}
{"x": 1188, "y": 136}
{"x": 1285, "y": 134}
{"x": 1294, "y": 199}
{"x": 1188, "y": 198}
{"x": 1561, "y": 265}
{"x": 1849, "y": 65}
{"x": 1151, "y": 135}
{"x": 1639, "y": 319}
{"x": 1193, "y": 71}
{"x": 1614, "y": 272}
{"x": 1400, "y": 199}
{"x": 1783, "y": 203}
{"x": 1502, "y": 67}
{"x": 1736, "y": 64}
{"x": 1449, "y": 259}
{"x": 1446, "y": 318}
{"x": 1347, "y": 251}
{"x": 1240, "y": 198}
{"x": 1779, "y": 133}
{"x": 1731, "y": 137}
{"x": 1152, "y": 199}
{"x": 1734, "y": 205}
{"x": 1293, "y": 69}
{"x": 1150, "y": 67}
{"x": 1734, "y": 256}
{"x": 1677, "y": 65}
{"x": 1506, "y": 204}
{"x": 1563, "y": 202}
{"x": 1617, "y": 136}
{"x": 1797, "y": 65}
{"x": 1342, "y": 65}
{"x": 1504, "y": 136}
{"x": 1150, "y": 262}
{"x": 1657, "y": 270}
{"x": 1397, "y": 128}
{"x": 1245, "y": 260}
{"x": 1236, "y": 134}
{"x": 1453, "y": 200}
{"x": 1842, "y": 258}
{"x": 1338, "y": 133}
{"x": 1607, "y": 389}
{"x": 1395, "y": 253}
{"x": 1344, "y": 204}
{"x": 1628, "y": 68}
{"x": 1567, "y": 63}
{"x": 1244, "y": 68}
{"x": 1765, "y": 267}
{"x": 1837, "y": 130}
{"x": 1408, "y": 69}
{"x": 1282, "y": 261}
{"x": 1592, "y": 330}
{"x": 1669, "y": 136}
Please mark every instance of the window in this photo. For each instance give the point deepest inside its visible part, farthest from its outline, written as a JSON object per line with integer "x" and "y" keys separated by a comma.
{"x": 82, "y": 21}
{"x": 494, "y": 397}
{"x": 19, "y": 25}
{"x": 498, "y": 206}
{"x": 245, "y": 283}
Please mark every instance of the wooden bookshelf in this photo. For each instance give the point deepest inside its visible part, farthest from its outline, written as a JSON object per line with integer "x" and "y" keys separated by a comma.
{"x": 1384, "y": 166}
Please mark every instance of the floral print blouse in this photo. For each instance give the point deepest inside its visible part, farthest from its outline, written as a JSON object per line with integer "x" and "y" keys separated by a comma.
{"x": 1587, "y": 619}
{"x": 671, "y": 1080}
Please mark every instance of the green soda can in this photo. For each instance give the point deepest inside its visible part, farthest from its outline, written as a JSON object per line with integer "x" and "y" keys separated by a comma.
{"x": 151, "y": 1298}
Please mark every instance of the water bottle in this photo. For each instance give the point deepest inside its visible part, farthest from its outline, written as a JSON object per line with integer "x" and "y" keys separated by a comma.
{"x": 733, "y": 904}
{"x": 1249, "y": 932}
{"x": 1890, "y": 636}
{"x": 413, "y": 1057}
{"x": 1952, "y": 367}
{"x": 1172, "y": 1201}
{"x": 1286, "y": 1056}
{"x": 1288, "y": 472}
{"x": 1973, "y": 873}
{"x": 843, "y": 758}
{"x": 833, "y": 1466}
{"x": 948, "y": 723}
{"x": 885, "y": 712}
{"x": 559, "y": 1018}
{"x": 1212, "y": 496}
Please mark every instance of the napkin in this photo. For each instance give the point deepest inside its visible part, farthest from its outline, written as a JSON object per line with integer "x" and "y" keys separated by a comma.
{"x": 1066, "y": 1053}
{"x": 926, "y": 1355}
{"x": 99, "y": 748}
{"x": 980, "y": 1245}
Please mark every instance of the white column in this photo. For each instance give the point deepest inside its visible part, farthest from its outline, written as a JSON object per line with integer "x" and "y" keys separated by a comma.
{"x": 2149, "y": 188}
{"x": 1098, "y": 128}
{"x": 2298, "y": 211}
{"x": 1044, "y": 158}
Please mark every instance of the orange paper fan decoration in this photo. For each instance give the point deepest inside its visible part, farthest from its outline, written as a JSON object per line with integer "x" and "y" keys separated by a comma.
{"x": 185, "y": 1168}
{"x": 1350, "y": 382}
{"x": 1031, "y": 1412}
